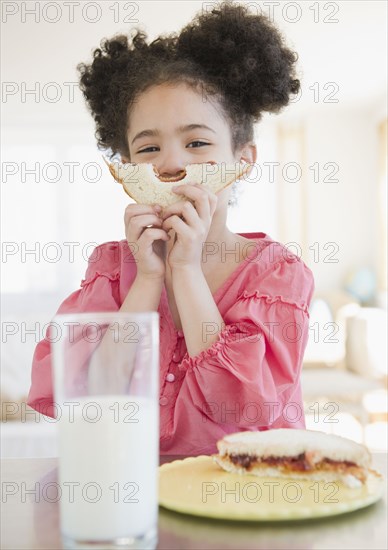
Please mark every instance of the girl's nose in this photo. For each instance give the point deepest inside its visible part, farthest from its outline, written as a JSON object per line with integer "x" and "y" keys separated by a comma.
{"x": 170, "y": 170}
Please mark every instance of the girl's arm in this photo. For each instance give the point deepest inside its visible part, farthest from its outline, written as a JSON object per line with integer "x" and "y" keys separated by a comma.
{"x": 249, "y": 378}
{"x": 100, "y": 291}
{"x": 144, "y": 295}
{"x": 197, "y": 309}
{"x": 142, "y": 230}
{"x": 195, "y": 303}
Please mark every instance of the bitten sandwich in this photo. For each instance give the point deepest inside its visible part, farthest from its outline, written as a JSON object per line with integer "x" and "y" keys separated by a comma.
{"x": 145, "y": 185}
{"x": 296, "y": 454}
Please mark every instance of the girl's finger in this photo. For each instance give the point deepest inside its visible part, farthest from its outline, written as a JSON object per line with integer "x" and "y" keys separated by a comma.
{"x": 152, "y": 234}
{"x": 189, "y": 214}
{"x": 175, "y": 208}
{"x": 137, "y": 224}
{"x": 199, "y": 195}
{"x": 138, "y": 209}
{"x": 179, "y": 226}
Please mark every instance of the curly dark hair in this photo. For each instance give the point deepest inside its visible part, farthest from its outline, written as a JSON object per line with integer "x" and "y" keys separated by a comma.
{"x": 235, "y": 57}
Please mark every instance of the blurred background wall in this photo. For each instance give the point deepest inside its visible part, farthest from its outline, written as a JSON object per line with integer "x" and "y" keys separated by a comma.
{"x": 319, "y": 187}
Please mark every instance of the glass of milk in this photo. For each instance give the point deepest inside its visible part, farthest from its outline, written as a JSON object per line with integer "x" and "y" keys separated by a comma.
{"x": 106, "y": 387}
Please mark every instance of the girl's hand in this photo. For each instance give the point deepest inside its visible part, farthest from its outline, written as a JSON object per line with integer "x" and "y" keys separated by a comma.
{"x": 191, "y": 224}
{"x": 147, "y": 244}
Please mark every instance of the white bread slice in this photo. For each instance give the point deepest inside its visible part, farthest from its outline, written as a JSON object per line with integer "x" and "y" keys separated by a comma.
{"x": 143, "y": 184}
{"x": 287, "y": 442}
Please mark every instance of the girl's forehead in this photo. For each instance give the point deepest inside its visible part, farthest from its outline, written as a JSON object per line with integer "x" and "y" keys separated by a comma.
{"x": 171, "y": 89}
{"x": 180, "y": 98}
{"x": 174, "y": 105}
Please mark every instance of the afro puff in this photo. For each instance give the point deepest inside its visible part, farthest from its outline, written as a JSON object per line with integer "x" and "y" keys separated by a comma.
{"x": 238, "y": 57}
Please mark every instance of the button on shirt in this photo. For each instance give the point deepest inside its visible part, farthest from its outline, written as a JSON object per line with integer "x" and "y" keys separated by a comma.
{"x": 245, "y": 380}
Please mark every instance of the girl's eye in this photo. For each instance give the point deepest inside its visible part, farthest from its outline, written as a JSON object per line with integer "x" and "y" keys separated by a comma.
{"x": 201, "y": 142}
{"x": 148, "y": 149}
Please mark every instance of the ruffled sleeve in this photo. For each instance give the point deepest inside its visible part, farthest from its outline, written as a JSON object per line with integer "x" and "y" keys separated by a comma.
{"x": 249, "y": 377}
{"x": 99, "y": 292}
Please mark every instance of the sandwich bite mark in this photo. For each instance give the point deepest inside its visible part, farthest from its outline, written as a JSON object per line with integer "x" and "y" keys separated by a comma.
{"x": 142, "y": 183}
{"x": 180, "y": 176}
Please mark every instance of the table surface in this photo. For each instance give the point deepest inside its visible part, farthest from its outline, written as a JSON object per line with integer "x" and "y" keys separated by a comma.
{"x": 26, "y": 524}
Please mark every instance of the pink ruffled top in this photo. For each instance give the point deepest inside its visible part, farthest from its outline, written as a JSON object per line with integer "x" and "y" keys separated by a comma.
{"x": 249, "y": 379}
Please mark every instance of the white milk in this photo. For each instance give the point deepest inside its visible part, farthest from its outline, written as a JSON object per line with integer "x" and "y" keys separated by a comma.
{"x": 114, "y": 461}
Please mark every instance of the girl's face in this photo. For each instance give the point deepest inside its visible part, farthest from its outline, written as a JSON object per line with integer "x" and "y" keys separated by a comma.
{"x": 172, "y": 126}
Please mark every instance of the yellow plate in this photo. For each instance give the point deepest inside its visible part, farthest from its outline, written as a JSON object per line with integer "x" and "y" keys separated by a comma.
{"x": 199, "y": 487}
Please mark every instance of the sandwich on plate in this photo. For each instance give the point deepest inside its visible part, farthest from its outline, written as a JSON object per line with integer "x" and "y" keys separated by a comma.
{"x": 145, "y": 185}
{"x": 296, "y": 454}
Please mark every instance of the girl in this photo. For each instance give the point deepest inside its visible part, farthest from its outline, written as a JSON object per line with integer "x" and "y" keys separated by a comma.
{"x": 233, "y": 308}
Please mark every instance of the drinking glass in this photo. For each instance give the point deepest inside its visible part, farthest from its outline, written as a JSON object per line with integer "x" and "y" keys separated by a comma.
{"x": 106, "y": 386}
